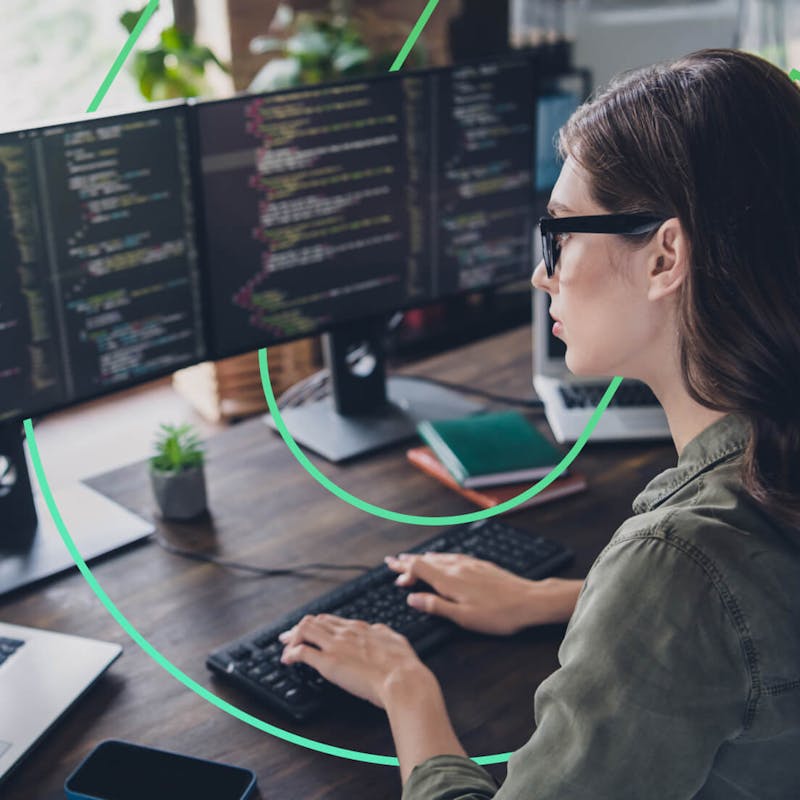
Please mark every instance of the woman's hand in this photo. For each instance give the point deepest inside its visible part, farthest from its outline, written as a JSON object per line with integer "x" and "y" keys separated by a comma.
{"x": 369, "y": 661}
{"x": 481, "y": 596}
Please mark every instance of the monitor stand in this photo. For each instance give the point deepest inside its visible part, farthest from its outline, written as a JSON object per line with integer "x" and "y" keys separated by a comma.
{"x": 365, "y": 412}
{"x": 31, "y": 547}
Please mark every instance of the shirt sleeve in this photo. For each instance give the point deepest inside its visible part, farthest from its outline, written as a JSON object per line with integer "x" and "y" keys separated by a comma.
{"x": 652, "y": 682}
{"x": 449, "y": 778}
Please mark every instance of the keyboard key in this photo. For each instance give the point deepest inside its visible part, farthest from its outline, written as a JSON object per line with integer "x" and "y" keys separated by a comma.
{"x": 240, "y": 653}
{"x": 630, "y": 394}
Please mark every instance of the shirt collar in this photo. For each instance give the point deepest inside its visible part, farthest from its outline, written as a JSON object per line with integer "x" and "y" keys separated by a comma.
{"x": 723, "y": 438}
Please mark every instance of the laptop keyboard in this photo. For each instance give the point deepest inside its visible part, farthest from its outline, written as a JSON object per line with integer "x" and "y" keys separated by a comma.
{"x": 8, "y": 647}
{"x": 253, "y": 661}
{"x": 588, "y": 395}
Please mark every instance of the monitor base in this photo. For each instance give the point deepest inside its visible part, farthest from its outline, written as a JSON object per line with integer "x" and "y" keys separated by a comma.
{"x": 338, "y": 437}
{"x": 96, "y": 524}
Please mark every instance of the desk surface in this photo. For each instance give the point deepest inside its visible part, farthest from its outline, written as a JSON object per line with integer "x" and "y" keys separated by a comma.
{"x": 266, "y": 510}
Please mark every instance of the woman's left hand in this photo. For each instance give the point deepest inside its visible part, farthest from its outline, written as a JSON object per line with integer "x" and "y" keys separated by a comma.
{"x": 365, "y": 660}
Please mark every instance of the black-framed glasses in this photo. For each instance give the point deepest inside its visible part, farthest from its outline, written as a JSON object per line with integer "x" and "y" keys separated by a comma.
{"x": 550, "y": 227}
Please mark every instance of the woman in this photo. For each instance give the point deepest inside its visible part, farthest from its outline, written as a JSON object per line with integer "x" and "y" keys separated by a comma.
{"x": 680, "y": 668}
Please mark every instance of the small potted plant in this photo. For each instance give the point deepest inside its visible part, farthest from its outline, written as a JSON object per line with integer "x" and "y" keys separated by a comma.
{"x": 176, "y": 472}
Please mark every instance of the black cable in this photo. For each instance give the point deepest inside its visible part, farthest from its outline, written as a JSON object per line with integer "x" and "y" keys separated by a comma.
{"x": 499, "y": 398}
{"x": 302, "y": 570}
{"x": 306, "y": 390}
{"x": 299, "y": 392}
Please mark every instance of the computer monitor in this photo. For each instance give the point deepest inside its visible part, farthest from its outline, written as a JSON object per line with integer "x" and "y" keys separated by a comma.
{"x": 325, "y": 208}
{"x": 99, "y": 290}
{"x": 139, "y": 243}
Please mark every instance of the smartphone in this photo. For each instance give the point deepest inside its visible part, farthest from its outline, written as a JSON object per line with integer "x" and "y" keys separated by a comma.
{"x": 117, "y": 770}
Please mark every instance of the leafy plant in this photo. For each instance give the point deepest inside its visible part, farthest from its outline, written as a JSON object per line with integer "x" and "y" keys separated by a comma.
{"x": 318, "y": 48}
{"x": 178, "y": 448}
{"x": 175, "y": 68}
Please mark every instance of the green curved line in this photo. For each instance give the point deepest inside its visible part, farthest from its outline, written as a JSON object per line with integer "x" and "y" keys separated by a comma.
{"x": 122, "y": 620}
{"x": 146, "y": 13}
{"x": 415, "y": 519}
{"x": 414, "y": 35}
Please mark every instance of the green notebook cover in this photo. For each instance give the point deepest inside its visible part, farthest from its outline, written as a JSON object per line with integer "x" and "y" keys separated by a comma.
{"x": 490, "y": 449}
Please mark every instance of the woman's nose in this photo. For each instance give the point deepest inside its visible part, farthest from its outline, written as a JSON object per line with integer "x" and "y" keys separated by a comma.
{"x": 539, "y": 277}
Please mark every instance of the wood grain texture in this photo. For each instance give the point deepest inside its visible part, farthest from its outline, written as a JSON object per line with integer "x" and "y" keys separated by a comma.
{"x": 266, "y": 510}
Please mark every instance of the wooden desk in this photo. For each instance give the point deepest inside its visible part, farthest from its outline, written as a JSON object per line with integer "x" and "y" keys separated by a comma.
{"x": 266, "y": 510}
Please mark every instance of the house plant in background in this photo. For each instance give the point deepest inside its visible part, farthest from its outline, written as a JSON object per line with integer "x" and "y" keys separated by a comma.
{"x": 177, "y": 474}
{"x": 323, "y": 47}
{"x": 176, "y": 66}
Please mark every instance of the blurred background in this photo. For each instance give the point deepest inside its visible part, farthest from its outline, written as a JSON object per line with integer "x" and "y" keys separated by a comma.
{"x": 52, "y": 52}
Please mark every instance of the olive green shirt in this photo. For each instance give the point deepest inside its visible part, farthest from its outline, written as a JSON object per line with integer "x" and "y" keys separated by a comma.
{"x": 680, "y": 667}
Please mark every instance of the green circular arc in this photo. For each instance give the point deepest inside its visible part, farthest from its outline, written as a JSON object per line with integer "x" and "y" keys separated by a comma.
{"x": 155, "y": 654}
{"x": 416, "y": 519}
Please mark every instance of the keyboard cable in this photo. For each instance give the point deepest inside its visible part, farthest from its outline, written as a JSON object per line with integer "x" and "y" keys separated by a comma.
{"x": 299, "y": 570}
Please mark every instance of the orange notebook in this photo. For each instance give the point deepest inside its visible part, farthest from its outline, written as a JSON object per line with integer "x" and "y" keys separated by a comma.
{"x": 424, "y": 458}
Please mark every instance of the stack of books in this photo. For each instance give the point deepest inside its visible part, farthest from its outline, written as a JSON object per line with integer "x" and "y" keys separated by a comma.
{"x": 490, "y": 458}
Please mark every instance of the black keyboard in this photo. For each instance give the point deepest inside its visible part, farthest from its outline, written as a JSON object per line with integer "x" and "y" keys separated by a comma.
{"x": 629, "y": 394}
{"x": 252, "y": 662}
{"x": 8, "y": 647}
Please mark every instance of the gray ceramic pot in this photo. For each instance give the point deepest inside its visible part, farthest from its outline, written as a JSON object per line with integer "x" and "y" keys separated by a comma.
{"x": 180, "y": 495}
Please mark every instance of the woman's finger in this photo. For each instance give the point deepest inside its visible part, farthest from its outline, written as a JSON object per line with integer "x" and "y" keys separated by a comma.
{"x": 310, "y": 629}
{"x": 305, "y": 654}
{"x": 429, "y": 567}
{"x": 438, "y": 605}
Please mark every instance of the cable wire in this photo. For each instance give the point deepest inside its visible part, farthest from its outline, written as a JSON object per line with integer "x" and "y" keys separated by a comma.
{"x": 301, "y": 570}
{"x": 316, "y": 386}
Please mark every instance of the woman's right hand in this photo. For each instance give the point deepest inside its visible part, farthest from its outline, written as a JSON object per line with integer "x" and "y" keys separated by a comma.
{"x": 481, "y": 596}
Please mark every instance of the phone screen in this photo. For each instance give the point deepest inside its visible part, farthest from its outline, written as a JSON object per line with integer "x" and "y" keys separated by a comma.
{"x": 123, "y": 771}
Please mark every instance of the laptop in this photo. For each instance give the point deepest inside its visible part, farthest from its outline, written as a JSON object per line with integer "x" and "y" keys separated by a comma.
{"x": 570, "y": 400}
{"x": 41, "y": 675}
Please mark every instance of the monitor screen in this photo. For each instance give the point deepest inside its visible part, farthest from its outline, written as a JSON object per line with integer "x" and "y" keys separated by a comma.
{"x": 326, "y": 204}
{"x": 482, "y": 201}
{"x": 99, "y": 287}
{"x": 304, "y": 209}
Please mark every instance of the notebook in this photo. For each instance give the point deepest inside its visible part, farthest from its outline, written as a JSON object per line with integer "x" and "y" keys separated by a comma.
{"x": 490, "y": 449}
{"x": 424, "y": 458}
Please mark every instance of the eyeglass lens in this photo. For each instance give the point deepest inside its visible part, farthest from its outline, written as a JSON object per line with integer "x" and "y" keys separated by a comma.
{"x": 551, "y": 252}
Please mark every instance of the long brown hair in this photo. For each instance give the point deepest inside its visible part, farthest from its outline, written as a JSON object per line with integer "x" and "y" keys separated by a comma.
{"x": 714, "y": 139}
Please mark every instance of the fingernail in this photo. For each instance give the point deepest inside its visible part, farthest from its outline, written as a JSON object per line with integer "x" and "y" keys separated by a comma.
{"x": 412, "y": 599}
{"x": 283, "y": 637}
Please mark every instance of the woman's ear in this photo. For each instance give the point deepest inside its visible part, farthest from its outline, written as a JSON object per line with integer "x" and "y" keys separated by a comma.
{"x": 668, "y": 261}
